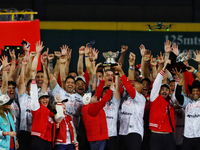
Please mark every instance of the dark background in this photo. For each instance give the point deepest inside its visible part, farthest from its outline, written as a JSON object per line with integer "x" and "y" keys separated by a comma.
{"x": 111, "y": 10}
{"x": 112, "y": 41}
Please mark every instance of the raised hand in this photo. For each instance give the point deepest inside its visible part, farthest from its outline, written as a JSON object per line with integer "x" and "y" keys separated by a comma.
{"x": 82, "y": 50}
{"x": 12, "y": 54}
{"x": 27, "y": 48}
{"x": 132, "y": 59}
{"x": 142, "y": 50}
{"x": 69, "y": 54}
{"x": 50, "y": 57}
{"x": 153, "y": 61}
{"x": 87, "y": 49}
{"x": 63, "y": 58}
{"x": 57, "y": 54}
{"x": 167, "y": 46}
{"x": 64, "y": 49}
{"x": 161, "y": 59}
{"x": 147, "y": 56}
{"x": 118, "y": 67}
{"x": 97, "y": 66}
{"x": 4, "y": 61}
{"x": 45, "y": 54}
{"x": 20, "y": 58}
{"x": 188, "y": 55}
{"x": 175, "y": 49}
{"x": 39, "y": 46}
{"x": 191, "y": 69}
{"x": 197, "y": 55}
{"x": 178, "y": 73}
{"x": 44, "y": 60}
{"x": 58, "y": 98}
{"x": 124, "y": 48}
{"x": 33, "y": 74}
{"x": 95, "y": 53}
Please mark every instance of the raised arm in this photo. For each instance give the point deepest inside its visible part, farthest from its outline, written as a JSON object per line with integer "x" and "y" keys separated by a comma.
{"x": 117, "y": 86}
{"x": 146, "y": 57}
{"x": 34, "y": 93}
{"x": 157, "y": 83}
{"x": 197, "y": 58}
{"x": 11, "y": 74}
{"x": 66, "y": 52}
{"x": 69, "y": 53}
{"x": 94, "y": 78}
{"x": 45, "y": 77}
{"x": 57, "y": 66}
{"x": 153, "y": 63}
{"x": 59, "y": 109}
{"x": 18, "y": 69}
{"x": 167, "y": 48}
{"x": 161, "y": 60}
{"x": 194, "y": 71}
{"x": 29, "y": 66}
{"x": 80, "y": 61}
{"x": 21, "y": 77}
{"x": 52, "y": 79}
{"x": 50, "y": 62}
{"x": 39, "y": 48}
{"x": 5, "y": 64}
{"x": 88, "y": 63}
{"x": 131, "y": 70}
{"x": 124, "y": 48}
{"x": 63, "y": 60}
{"x": 96, "y": 107}
{"x": 178, "y": 91}
{"x": 127, "y": 84}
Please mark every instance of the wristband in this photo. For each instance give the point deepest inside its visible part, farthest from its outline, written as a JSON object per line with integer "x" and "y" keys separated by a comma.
{"x": 5, "y": 69}
{"x": 5, "y": 133}
{"x": 117, "y": 74}
{"x": 86, "y": 56}
{"x": 33, "y": 81}
{"x": 194, "y": 71}
{"x": 131, "y": 68}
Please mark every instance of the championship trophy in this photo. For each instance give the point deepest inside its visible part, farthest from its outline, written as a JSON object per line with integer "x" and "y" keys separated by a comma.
{"x": 177, "y": 62}
{"x": 110, "y": 58}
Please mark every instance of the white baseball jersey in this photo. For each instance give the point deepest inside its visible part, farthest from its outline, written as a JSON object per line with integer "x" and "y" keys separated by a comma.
{"x": 192, "y": 118}
{"x": 111, "y": 110}
{"x": 26, "y": 116}
{"x": 132, "y": 111}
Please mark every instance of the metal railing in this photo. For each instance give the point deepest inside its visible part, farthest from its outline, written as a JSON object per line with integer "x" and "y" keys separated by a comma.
{"x": 19, "y": 13}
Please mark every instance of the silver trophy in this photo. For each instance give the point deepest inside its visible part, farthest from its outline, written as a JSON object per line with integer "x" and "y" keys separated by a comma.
{"x": 182, "y": 57}
{"x": 110, "y": 58}
{"x": 177, "y": 62}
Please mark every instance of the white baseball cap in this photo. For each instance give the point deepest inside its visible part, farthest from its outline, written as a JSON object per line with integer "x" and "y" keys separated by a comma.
{"x": 5, "y": 99}
{"x": 87, "y": 98}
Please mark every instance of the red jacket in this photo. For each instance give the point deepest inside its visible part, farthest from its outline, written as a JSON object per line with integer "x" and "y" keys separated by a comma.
{"x": 159, "y": 117}
{"x": 40, "y": 122}
{"x": 61, "y": 133}
{"x": 94, "y": 119}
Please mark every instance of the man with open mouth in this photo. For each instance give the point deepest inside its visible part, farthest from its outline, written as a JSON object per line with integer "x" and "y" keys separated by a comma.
{"x": 161, "y": 118}
{"x": 191, "y": 104}
{"x": 80, "y": 85}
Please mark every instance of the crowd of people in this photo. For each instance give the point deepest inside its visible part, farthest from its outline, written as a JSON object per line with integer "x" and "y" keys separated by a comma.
{"x": 99, "y": 108}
